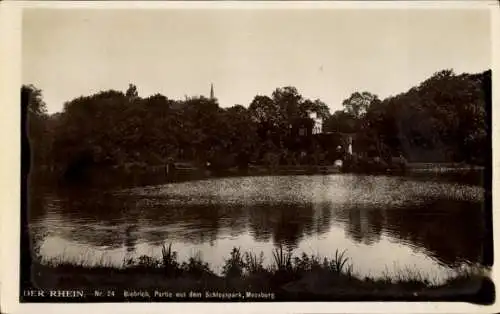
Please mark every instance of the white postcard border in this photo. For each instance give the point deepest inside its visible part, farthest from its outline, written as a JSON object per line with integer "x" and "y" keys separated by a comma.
{"x": 10, "y": 81}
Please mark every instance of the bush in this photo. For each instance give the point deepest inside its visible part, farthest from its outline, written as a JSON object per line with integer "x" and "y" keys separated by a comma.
{"x": 235, "y": 265}
{"x": 195, "y": 266}
{"x": 169, "y": 259}
{"x": 254, "y": 264}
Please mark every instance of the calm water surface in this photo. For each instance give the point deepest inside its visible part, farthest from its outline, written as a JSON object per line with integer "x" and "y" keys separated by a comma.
{"x": 385, "y": 223}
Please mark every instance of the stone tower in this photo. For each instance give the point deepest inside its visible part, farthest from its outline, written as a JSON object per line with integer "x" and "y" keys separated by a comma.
{"x": 212, "y": 96}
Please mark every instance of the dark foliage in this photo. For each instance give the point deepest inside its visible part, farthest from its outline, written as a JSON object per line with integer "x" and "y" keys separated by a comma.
{"x": 444, "y": 119}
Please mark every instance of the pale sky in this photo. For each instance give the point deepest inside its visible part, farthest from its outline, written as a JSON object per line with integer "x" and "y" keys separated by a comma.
{"x": 327, "y": 53}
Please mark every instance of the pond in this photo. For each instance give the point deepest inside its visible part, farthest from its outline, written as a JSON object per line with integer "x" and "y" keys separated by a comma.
{"x": 385, "y": 223}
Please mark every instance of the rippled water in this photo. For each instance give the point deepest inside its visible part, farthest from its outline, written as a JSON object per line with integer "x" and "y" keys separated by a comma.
{"x": 384, "y": 223}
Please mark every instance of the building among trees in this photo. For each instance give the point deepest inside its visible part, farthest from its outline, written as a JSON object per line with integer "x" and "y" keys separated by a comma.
{"x": 318, "y": 123}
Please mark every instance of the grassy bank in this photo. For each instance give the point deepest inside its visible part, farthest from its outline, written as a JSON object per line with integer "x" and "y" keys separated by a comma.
{"x": 289, "y": 277}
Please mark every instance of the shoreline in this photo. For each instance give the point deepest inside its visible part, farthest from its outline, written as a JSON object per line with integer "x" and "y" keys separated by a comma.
{"x": 155, "y": 175}
{"x": 288, "y": 278}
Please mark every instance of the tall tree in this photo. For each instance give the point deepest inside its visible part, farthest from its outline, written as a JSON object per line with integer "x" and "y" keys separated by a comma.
{"x": 288, "y": 101}
{"x": 36, "y": 116}
{"x": 357, "y": 104}
{"x": 264, "y": 110}
{"x": 35, "y": 102}
{"x": 132, "y": 93}
{"x": 341, "y": 121}
{"x": 308, "y": 106}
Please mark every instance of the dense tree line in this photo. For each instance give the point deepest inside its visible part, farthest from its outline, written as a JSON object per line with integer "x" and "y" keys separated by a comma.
{"x": 445, "y": 118}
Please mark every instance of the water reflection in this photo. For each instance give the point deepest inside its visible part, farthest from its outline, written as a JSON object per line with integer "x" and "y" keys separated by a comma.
{"x": 364, "y": 226}
{"x": 440, "y": 220}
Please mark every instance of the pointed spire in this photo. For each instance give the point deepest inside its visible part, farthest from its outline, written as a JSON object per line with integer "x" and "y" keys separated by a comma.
{"x": 212, "y": 91}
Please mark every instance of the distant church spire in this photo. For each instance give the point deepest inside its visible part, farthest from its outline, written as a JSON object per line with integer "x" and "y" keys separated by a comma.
{"x": 212, "y": 91}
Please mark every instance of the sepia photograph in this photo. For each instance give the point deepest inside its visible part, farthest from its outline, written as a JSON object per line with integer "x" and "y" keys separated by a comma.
{"x": 225, "y": 154}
